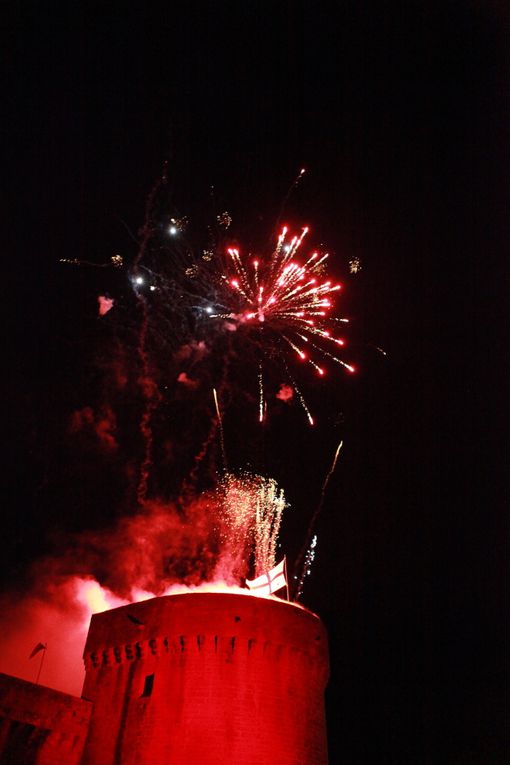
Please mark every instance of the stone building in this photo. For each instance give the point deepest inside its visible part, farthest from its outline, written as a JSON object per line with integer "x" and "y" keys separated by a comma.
{"x": 212, "y": 678}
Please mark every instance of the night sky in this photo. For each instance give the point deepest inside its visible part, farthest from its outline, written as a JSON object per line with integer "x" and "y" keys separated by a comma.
{"x": 400, "y": 113}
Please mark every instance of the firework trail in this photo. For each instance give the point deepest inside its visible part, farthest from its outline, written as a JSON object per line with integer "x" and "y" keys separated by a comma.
{"x": 147, "y": 384}
{"x": 220, "y": 423}
{"x": 188, "y": 487}
{"x": 300, "y": 396}
{"x": 152, "y": 398}
{"x": 307, "y": 553}
{"x": 287, "y": 196}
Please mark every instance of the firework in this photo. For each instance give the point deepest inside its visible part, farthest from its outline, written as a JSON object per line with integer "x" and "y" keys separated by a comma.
{"x": 263, "y": 322}
{"x": 308, "y": 552}
{"x": 177, "y": 226}
{"x": 355, "y": 265}
{"x": 269, "y": 506}
{"x": 273, "y": 308}
{"x": 287, "y": 301}
{"x": 309, "y": 559}
{"x": 251, "y": 509}
{"x": 277, "y": 308}
{"x": 224, "y": 220}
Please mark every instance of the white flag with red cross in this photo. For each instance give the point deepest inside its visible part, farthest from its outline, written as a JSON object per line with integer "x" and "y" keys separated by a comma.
{"x": 271, "y": 582}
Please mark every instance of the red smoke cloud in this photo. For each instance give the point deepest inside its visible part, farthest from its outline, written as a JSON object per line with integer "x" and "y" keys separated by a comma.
{"x": 105, "y": 304}
{"x": 164, "y": 548}
{"x": 143, "y": 556}
{"x": 193, "y": 351}
{"x": 188, "y": 381}
{"x": 101, "y": 424}
{"x": 51, "y": 614}
{"x": 286, "y": 393}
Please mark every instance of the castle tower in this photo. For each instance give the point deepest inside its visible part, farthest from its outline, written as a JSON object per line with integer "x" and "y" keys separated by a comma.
{"x": 206, "y": 678}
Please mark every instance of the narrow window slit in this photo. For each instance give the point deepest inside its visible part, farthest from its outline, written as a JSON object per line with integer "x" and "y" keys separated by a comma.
{"x": 148, "y": 686}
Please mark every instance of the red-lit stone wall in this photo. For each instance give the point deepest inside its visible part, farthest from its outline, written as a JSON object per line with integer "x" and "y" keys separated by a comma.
{"x": 40, "y": 726}
{"x": 236, "y": 680}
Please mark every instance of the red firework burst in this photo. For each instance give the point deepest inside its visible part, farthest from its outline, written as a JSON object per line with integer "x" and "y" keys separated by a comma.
{"x": 289, "y": 299}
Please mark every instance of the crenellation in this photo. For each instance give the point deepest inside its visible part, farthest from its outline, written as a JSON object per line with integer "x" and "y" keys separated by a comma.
{"x": 218, "y": 679}
{"x": 129, "y": 652}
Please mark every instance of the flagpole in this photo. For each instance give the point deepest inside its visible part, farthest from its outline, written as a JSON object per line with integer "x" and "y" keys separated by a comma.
{"x": 43, "y": 654}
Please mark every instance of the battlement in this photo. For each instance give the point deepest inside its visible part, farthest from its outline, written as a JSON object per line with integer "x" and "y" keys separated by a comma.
{"x": 217, "y": 678}
{"x": 223, "y": 624}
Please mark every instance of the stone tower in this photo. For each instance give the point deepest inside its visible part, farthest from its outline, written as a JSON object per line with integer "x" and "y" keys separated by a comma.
{"x": 206, "y": 679}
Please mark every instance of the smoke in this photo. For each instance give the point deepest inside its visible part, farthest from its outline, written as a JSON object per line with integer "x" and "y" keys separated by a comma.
{"x": 194, "y": 351}
{"x": 105, "y": 304}
{"x": 188, "y": 382}
{"x": 51, "y": 614}
{"x": 286, "y": 392}
{"x": 142, "y": 556}
{"x": 164, "y": 549}
{"x": 98, "y": 427}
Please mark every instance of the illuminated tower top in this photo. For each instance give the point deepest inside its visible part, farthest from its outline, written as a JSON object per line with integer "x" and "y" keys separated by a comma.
{"x": 213, "y": 678}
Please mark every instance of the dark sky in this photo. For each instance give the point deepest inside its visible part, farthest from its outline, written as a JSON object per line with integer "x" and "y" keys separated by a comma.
{"x": 400, "y": 112}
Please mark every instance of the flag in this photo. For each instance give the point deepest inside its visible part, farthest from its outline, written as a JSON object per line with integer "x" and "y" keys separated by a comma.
{"x": 39, "y": 647}
{"x": 271, "y": 582}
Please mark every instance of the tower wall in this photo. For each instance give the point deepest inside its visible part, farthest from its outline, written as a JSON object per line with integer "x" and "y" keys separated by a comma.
{"x": 40, "y": 726}
{"x": 218, "y": 679}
